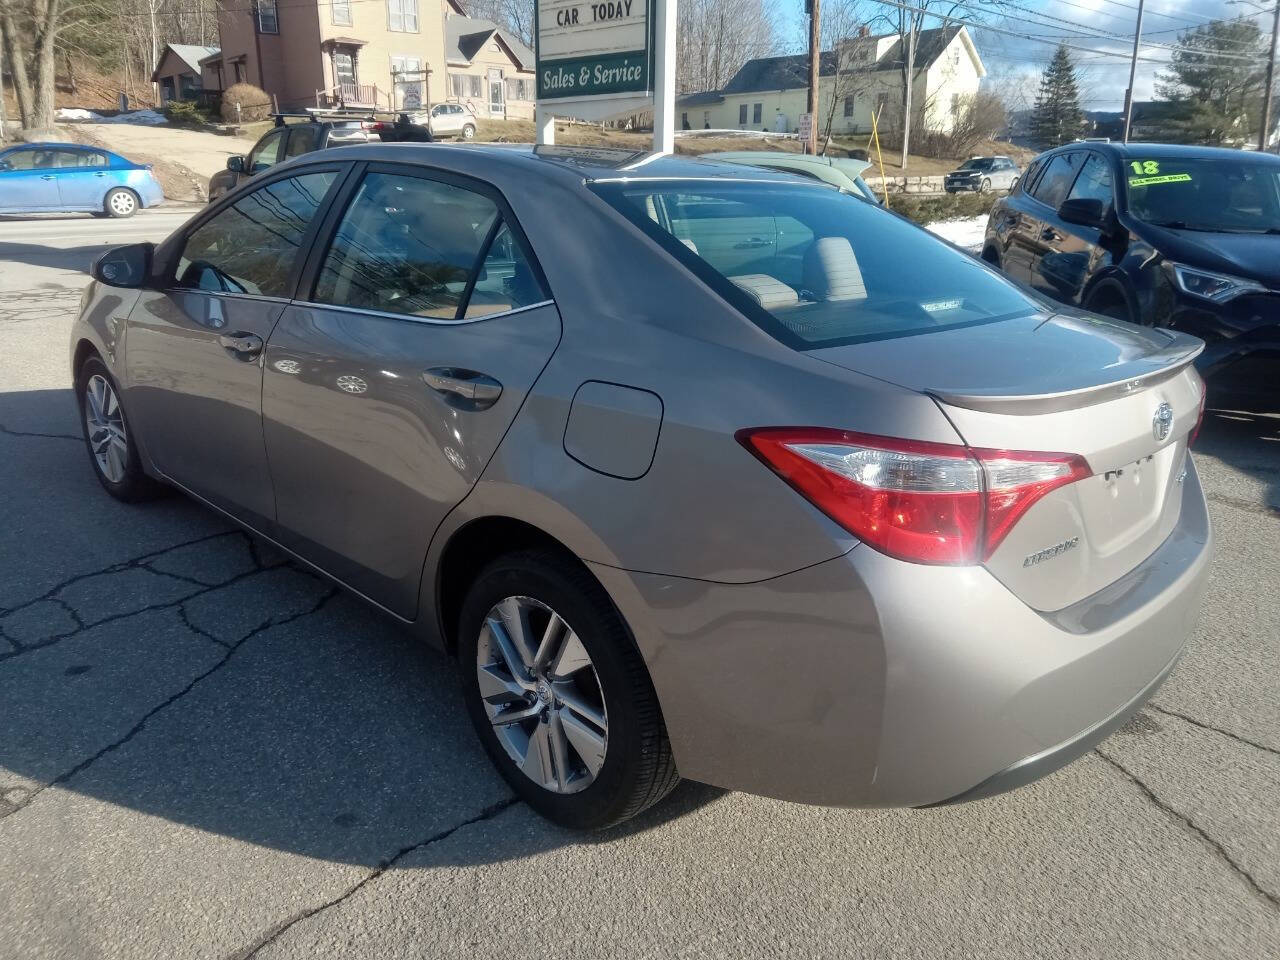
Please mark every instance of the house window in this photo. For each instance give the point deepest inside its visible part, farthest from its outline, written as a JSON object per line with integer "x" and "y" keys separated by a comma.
{"x": 267, "y": 21}
{"x": 519, "y": 89}
{"x": 341, "y": 12}
{"x": 848, "y": 106}
{"x": 238, "y": 67}
{"x": 684, "y": 121}
{"x": 757, "y": 112}
{"x": 402, "y": 16}
{"x": 742, "y": 113}
{"x": 406, "y": 72}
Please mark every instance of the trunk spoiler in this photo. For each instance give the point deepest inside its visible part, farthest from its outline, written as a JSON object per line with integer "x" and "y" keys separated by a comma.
{"x": 1130, "y": 377}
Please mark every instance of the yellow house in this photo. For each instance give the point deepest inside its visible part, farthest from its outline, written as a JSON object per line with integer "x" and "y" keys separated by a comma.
{"x": 379, "y": 54}
{"x": 863, "y": 74}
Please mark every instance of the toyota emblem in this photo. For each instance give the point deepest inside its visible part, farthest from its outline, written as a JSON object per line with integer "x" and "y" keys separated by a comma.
{"x": 1162, "y": 422}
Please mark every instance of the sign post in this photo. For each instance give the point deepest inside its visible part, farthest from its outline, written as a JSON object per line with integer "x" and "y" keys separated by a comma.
{"x": 600, "y": 59}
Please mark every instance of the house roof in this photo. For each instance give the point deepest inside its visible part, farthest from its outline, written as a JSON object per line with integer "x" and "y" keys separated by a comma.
{"x": 464, "y": 37}
{"x": 790, "y": 72}
{"x": 698, "y": 99}
{"x": 189, "y": 53}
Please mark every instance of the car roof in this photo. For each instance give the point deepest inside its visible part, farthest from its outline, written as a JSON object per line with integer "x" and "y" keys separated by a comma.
{"x": 589, "y": 164}
{"x": 1183, "y": 150}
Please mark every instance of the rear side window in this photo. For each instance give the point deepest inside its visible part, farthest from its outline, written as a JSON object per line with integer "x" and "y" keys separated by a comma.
{"x": 1094, "y": 182}
{"x": 302, "y": 139}
{"x": 251, "y": 246}
{"x": 1053, "y": 186}
{"x": 815, "y": 267}
{"x": 414, "y": 246}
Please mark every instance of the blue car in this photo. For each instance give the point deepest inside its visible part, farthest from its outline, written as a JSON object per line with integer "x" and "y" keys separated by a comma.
{"x": 68, "y": 177}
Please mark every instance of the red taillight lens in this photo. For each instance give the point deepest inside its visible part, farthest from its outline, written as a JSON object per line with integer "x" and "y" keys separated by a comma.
{"x": 935, "y": 503}
{"x": 1195, "y": 431}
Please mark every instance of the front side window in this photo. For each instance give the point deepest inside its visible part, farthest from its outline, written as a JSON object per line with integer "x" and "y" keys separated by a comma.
{"x": 1094, "y": 182}
{"x": 267, "y": 21}
{"x": 1058, "y": 176}
{"x": 341, "y": 12}
{"x": 30, "y": 159}
{"x": 251, "y": 246}
{"x": 267, "y": 153}
{"x": 402, "y": 15}
{"x": 814, "y": 267}
{"x": 411, "y": 246}
{"x": 1219, "y": 195}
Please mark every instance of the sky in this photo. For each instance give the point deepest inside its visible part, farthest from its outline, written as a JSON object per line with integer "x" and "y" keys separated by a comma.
{"x": 1103, "y": 27}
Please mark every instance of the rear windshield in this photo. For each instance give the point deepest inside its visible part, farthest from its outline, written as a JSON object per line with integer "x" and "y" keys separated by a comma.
{"x": 1219, "y": 195}
{"x": 815, "y": 267}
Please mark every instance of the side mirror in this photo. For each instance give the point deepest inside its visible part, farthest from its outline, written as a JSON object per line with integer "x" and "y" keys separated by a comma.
{"x": 126, "y": 267}
{"x": 1085, "y": 211}
{"x": 5, "y": 165}
{"x": 235, "y": 164}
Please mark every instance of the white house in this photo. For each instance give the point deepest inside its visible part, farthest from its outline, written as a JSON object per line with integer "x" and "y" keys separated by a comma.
{"x": 770, "y": 93}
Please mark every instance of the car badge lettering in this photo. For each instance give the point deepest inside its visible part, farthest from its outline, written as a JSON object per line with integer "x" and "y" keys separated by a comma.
{"x": 1162, "y": 422}
{"x": 1050, "y": 552}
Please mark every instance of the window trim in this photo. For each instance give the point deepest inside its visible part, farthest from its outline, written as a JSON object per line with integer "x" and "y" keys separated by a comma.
{"x": 417, "y": 17}
{"x": 340, "y": 201}
{"x": 167, "y": 255}
{"x": 1088, "y": 154}
{"x": 333, "y": 13}
{"x": 1070, "y": 186}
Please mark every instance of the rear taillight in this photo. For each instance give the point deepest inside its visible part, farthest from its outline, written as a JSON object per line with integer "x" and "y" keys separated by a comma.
{"x": 1195, "y": 431}
{"x": 936, "y": 503}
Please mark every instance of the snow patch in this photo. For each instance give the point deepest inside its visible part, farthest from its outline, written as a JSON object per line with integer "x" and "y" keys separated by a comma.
{"x": 966, "y": 232}
{"x": 75, "y": 114}
{"x": 148, "y": 118}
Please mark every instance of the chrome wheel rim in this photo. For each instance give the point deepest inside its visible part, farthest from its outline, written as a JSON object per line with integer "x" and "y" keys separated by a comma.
{"x": 542, "y": 695}
{"x": 122, "y": 202}
{"x": 104, "y": 421}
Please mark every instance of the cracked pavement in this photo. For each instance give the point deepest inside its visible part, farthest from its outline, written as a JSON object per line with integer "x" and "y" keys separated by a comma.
{"x": 207, "y": 751}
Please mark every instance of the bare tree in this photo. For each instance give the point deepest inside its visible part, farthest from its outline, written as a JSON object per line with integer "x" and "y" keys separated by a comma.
{"x": 514, "y": 16}
{"x": 854, "y": 56}
{"x": 714, "y": 38}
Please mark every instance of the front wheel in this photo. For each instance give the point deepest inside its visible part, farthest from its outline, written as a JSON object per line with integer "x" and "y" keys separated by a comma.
{"x": 985, "y": 186}
{"x": 112, "y": 451}
{"x": 559, "y": 694}
{"x": 120, "y": 203}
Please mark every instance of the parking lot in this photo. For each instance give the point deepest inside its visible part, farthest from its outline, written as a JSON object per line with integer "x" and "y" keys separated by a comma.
{"x": 207, "y": 751}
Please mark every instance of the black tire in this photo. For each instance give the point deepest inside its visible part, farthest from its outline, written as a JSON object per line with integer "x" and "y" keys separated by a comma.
{"x": 120, "y": 203}
{"x": 992, "y": 256}
{"x": 1109, "y": 300}
{"x": 638, "y": 769}
{"x": 469, "y": 131}
{"x": 134, "y": 486}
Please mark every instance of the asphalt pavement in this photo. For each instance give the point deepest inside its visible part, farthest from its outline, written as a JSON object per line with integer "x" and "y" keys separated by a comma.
{"x": 205, "y": 751}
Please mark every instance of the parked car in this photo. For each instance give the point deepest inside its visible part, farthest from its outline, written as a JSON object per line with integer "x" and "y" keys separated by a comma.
{"x": 688, "y": 470}
{"x": 293, "y": 135}
{"x": 447, "y": 120}
{"x": 842, "y": 172}
{"x": 982, "y": 175}
{"x": 72, "y": 178}
{"x": 1174, "y": 236}
{"x": 404, "y": 129}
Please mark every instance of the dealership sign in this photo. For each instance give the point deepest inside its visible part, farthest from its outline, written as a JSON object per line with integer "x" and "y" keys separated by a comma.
{"x": 588, "y": 49}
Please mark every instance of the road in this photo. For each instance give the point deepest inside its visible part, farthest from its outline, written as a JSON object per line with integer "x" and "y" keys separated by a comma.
{"x": 206, "y": 752}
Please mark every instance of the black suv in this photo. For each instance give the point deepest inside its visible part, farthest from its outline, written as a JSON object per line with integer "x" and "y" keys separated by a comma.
{"x": 1173, "y": 236}
{"x": 288, "y": 140}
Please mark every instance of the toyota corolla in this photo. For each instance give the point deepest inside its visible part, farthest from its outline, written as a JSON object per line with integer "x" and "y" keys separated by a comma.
{"x": 699, "y": 470}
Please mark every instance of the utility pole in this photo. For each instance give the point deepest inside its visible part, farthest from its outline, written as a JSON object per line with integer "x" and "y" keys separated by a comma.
{"x": 815, "y": 60}
{"x": 1271, "y": 79}
{"x": 1133, "y": 69}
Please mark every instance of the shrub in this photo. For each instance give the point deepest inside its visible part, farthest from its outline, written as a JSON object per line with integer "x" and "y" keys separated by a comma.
{"x": 254, "y": 103}
{"x": 185, "y": 113}
{"x": 949, "y": 206}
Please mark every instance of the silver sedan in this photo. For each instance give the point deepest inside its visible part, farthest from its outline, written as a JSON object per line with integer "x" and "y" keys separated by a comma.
{"x": 699, "y": 470}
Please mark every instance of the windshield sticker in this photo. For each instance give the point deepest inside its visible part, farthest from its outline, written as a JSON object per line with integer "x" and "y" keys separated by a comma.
{"x": 1163, "y": 178}
{"x": 1149, "y": 167}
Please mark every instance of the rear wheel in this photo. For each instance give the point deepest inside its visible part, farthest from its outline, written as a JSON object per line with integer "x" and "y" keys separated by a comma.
{"x": 120, "y": 202}
{"x": 558, "y": 692}
{"x": 112, "y": 451}
{"x": 469, "y": 132}
{"x": 1110, "y": 301}
{"x": 992, "y": 256}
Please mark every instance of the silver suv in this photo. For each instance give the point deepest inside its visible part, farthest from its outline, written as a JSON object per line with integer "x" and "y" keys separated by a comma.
{"x": 446, "y": 120}
{"x": 982, "y": 175}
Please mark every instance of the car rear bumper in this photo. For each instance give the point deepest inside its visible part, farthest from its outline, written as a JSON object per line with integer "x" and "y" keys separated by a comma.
{"x": 867, "y": 681}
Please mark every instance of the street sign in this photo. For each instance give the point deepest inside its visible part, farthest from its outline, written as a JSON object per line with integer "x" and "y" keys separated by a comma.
{"x": 593, "y": 49}
{"x": 806, "y": 127}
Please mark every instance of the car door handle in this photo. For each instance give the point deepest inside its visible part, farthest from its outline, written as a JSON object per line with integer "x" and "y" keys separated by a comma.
{"x": 48, "y": 176}
{"x": 477, "y": 391}
{"x": 751, "y": 244}
{"x": 99, "y": 174}
{"x": 246, "y": 346}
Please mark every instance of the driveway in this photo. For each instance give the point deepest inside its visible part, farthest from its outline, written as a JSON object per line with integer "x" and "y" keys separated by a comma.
{"x": 206, "y": 751}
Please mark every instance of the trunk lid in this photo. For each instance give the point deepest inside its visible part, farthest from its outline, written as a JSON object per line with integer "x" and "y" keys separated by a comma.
{"x": 1067, "y": 383}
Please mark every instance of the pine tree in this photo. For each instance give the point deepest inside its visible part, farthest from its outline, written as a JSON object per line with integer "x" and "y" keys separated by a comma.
{"x": 1056, "y": 118}
{"x": 1215, "y": 78}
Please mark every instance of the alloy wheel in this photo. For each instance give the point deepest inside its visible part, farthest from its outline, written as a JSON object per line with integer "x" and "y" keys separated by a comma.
{"x": 542, "y": 694}
{"x": 108, "y": 438}
{"x": 122, "y": 203}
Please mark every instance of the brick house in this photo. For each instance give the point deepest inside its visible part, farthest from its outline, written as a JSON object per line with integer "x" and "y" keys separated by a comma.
{"x": 380, "y": 54}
